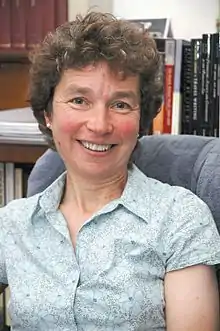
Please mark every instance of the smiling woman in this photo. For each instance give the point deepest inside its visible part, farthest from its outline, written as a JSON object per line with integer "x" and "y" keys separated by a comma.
{"x": 95, "y": 120}
{"x": 104, "y": 247}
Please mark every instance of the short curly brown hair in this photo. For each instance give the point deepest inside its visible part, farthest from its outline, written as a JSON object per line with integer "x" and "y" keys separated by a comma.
{"x": 96, "y": 37}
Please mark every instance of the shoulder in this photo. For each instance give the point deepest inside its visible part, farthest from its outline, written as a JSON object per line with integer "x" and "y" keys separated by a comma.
{"x": 178, "y": 204}
{"x": 170, "y": 204}
{"x": 185, "y": 225}
{"x": 176, "y": 196}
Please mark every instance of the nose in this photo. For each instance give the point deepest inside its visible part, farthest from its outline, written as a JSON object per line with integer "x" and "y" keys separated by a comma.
{"x": 100, "y": 122}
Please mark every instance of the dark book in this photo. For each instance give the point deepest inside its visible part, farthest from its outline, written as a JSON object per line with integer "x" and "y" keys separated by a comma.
{"x": 48, "y": 16}
{"x": 195, "y": 86}
{"x": 206, "y": 123}
{"x": 5, "y": 24}
{"x": 18, "y": 28}
{"x": 186, "y": 89}
{"x": 214, "y": 108}
{"x": 34, "y": 23}
{"x": 61, "y": 12}
{"x": 204, "y": 86}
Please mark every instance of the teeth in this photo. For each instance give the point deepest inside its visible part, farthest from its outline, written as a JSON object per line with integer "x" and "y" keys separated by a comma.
{"x": 95, "y": 147}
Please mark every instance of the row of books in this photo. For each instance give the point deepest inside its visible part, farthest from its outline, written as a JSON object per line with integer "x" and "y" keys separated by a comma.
{"x": 191, "y": 86}
{"x": 13, "y": 185}
{"x": 13, "y": 181}
{"x": 24, "y": 23}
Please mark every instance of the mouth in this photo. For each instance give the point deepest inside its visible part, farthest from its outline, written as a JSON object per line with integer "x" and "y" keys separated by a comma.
{"x": 96, "y": 147}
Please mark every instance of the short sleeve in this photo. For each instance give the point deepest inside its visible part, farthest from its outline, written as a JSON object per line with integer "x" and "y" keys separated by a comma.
{"x": 3, "y": 275}
{"x": 191, "y": 233}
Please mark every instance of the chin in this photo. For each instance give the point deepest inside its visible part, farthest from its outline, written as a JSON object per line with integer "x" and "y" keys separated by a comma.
{"x": 100, "y": 170}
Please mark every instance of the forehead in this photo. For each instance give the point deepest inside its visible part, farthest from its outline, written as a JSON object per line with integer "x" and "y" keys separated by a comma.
{"x": 97, "y": 76}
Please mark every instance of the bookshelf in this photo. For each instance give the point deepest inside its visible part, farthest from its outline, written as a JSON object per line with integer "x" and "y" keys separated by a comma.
{"x": 20, "y": 139}
{"x": 21, "y": 144}
{"x": 17, "y": 153}
{"x": 22, "y": 25}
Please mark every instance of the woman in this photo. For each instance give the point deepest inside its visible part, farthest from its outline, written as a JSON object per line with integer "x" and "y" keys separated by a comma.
{"x": 104, "y": 247}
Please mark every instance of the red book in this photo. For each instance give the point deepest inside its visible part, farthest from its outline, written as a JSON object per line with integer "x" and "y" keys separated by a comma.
{"x": 5, "y": 34}
{"x": 48, "y": 16}
{"x": 61, "y": 14}
{"x": 168, "y": 84}
{"x": 34, "y": 23}
{"x": 18, "y": 24}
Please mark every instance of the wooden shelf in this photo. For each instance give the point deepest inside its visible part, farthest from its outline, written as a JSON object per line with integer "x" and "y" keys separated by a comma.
{"x": 14, "y": 55}
{"x": 21, "y": 153}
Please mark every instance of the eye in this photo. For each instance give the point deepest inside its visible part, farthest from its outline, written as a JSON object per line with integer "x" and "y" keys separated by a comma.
{"x": 79, "y": 103}
{"x": 121, "y": 105}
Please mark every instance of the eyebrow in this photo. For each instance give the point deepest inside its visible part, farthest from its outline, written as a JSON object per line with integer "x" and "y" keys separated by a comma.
{"x": 131, "y": 95}
{"x": 77, "y": 89}
{"x": 127, "y": 94}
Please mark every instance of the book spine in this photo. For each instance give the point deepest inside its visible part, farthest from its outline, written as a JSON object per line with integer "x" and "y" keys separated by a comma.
{"x": 18, "y": 28}
{"x": 204, "y": 54}
{"x": 207, "y": 80}
{"x": 215, "y": 107}
{"x": 218, "y": 88}
{"x": 9, "y": 182}
{"x": 18, "y": 183}
{"x": 5, "y": 24}
{"x": 34, "y": 26}
{"x": 198, "y": 126}
{"x": 48, "y": 16}
{"x": 2, "y": 184}
{"x": 210, "y": 89}
{"x": 157, "y": 126}
{"x": 177, "y": 95}
{"x": 61, "y": 12}
{"x": 186, "y": 89}
{"x": 194, "y": 114}
{"x": 170, "y": 45}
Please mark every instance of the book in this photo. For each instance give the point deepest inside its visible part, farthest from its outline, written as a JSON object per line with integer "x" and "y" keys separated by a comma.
{"x": 5, "y": 24}
{"x": 18, "y": 25}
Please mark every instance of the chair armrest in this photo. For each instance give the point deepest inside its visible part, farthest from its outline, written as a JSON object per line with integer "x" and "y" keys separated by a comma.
{"x": 2, "y": 287}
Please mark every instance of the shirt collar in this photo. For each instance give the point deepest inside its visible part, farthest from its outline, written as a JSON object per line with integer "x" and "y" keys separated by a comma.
{"x": 50, "y": 198}
{"x": 135, "y": 196}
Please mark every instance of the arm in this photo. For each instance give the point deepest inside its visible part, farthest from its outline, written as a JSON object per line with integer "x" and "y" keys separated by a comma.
{"x": 192, "y": 245}
{"x": 192, "y": 299}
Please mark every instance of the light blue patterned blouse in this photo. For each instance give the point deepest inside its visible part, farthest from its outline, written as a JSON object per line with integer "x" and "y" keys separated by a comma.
{"x": 114, "y": 279}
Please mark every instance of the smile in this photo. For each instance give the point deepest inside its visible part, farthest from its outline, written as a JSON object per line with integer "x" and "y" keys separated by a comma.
{"x": 96, "y": 147}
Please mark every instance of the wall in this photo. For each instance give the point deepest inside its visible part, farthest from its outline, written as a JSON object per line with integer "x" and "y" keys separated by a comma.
{"x": 82, "y": 6}
{"x": 190, "y": 18}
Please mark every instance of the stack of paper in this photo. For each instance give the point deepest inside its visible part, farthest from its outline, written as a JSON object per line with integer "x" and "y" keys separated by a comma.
{"x": 20, "y": 126}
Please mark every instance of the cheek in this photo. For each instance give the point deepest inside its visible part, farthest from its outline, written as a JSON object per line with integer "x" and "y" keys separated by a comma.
{"x": 65, "y": 126}
{"x": 128, "y": 128}
{"x": 63, "y": 129}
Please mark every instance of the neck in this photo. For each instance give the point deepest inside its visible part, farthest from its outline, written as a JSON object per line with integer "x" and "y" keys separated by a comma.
{"x": 88, "y": 197}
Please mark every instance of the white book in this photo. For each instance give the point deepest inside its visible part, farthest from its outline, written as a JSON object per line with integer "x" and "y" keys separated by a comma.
{"x": 2, "y": 184}
{"x": 18, "y": 183}
{"x": 9, "y": 182}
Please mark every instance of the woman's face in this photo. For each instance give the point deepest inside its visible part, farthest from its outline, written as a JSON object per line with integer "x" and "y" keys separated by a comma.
{"x": 95, "y": 120}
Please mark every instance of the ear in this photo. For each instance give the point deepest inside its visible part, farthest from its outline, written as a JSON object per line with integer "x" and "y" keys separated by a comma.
{"x": 47, "y": 120}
